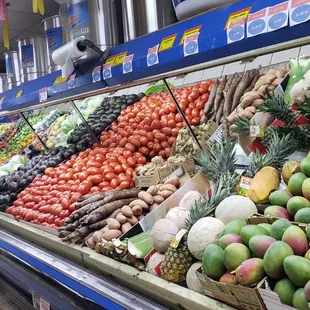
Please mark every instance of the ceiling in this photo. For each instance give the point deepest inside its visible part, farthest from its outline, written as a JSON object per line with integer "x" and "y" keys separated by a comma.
{"x": 23, "y": 22}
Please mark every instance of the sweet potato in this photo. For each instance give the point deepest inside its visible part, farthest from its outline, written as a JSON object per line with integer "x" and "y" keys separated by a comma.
{"x": 158, "y": 199}
{"x": 111, "y": 234}
{"x": 146, "y": 197}
{"x": 132, "y": 220}
{"x": 113, "y": 223}
{"x": 97, "y": 236}
{"x": 168, "y": 187}
{"x": 91, "y": 243}
{"x": 121, "y": 218}
{"x": 115, "y": 213}
{"x": 152, "y": 190}
{"x": 140, "y": 217}
{"x": 165, "y": 193}
{"x": 172, "y": 180}
{"x": 153, "y": 206}
{"x": 141, "y": 203}
{"x": 126, "y": 227}
{"x": 126, "y": 211}
{"x": 137, "y": 210}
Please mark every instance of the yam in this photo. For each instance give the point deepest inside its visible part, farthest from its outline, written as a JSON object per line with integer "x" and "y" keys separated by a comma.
{"x": 141, "y": 203}
{"x": 111, "y": 234}
{"x": 121, "y": 218}
{"x": 113, "y": 223}
{"x": 244, "y": 82}
{"x": 126, "y": 210}
{"x": 137, "y": 210}
{"x": 253, "y": 82}
{"x": 168, "y": 187}
{"x": 174, "y": 181}
{"x": 146, "y": 197}
{"x": 126, "y": 227}
{"x": 165, "y": 193}
{"x": 152, "y": 190}
{"x": 210, "y": 103}
{"x": 153, "y": 207}
{"x": 132, "y": 220}
{"x": 257, "y": 102}
{"x": 91, "y": 243}
{"x": 115, "y": 213}
{"x": 64, "y": 233}
{"x": 251, "y": 109}
{"x": 99, "y": 225}
{"x": 158, "y": 199}
{"x": 97, "y": 236}
{"x": 219, "y": 113}
{"x": 219, "y": 94}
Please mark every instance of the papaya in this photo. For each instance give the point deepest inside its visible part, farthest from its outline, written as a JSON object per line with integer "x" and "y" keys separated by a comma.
{"x": 297, "y": 269}
{"x": 249, "y": 231}
{"x": 213, "y": 261}
{"x": 251, "y": 271}
{"x": 264, "y": 182}
{"x": 274, "y": 257}
{"x": 286, "y": 290}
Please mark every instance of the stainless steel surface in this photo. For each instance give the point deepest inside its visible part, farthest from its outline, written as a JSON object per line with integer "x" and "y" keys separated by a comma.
{"x": 52, "y": 28}
{"x": 101, "y": 21}
{"x": 175, "y": 73}
{"x": 104, "y": 286}
{"x": 12, "y": 69}
{"x": 32, "y": 58}
{"x": 141, "y": 17}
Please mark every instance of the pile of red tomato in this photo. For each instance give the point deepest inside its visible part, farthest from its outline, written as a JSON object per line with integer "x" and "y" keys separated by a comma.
{"x": 143, "y": 130}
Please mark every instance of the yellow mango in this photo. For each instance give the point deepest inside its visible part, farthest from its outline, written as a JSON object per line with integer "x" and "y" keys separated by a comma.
{"x": 264, "y": 181}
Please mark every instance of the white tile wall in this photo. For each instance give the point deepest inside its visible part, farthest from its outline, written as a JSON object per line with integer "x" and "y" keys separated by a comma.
{"x": 284, "y": 56}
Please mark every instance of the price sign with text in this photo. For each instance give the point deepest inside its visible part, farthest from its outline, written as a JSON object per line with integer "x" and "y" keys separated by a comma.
{"x": 71, "y": 81}
{"x": 257, "y": 23}
{"x": 299, "y": 11}
{"x": 152, "y": 56}
{"x": 127, "y": 64}
{"x": 43, "y": 94}
{"x": 96, "y": 75}
{"x": 190, "y": 46}
{"x": 236, "y": 31}
{"x": 278, "y": 16}
{"x": 107, "y": 71}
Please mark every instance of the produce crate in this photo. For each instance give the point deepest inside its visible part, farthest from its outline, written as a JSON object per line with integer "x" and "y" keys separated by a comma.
{"x": 238, "y": 296}
{"x": 256, "y": 218}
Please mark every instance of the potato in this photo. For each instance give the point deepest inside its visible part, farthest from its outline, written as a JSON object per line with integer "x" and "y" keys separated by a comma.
{"x": 152, "y": 190}
{"x": 165, "y": 193}
{"x": 146, "y": 197}
{"x": 174, "y": 181}
{"x": 126, "y": 210}
{"x": 132, "y": 220}
{"x": 97, "y": 236}
{"x": 126, "y": 227}
{"x": 111, "y": 234}
{"x": 168, "y": 187}
{"x": 121, "y": 218}
{"x": 137, "y": 210}
{"x": 113, "y": 223}
{"x": 158, "y": 199}
{"x": 91, "y": 243}
{"x": 153, "y": 206}
{"x": 140, "y": 217}
{"x": 139, "y": 202}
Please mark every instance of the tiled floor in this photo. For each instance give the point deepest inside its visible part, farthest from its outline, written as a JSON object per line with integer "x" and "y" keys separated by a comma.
{"x": 6, "y": 303}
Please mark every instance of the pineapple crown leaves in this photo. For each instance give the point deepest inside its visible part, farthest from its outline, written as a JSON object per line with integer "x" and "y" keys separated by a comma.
{"x": 277, "y": 107}
{"x": 304, "y": 109}
{"x": 220, "y": 159}
{"x": 243, "y": 125}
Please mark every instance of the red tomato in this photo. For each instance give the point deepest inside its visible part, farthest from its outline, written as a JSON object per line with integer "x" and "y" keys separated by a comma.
{"x": 93, "y": 171}
{"x": 96, "y": 179}
{"x": 124, "y": 184}
{"x": 110, "y": 176}
{"x": 65, "y": 202}
{"x": 83, "y": 176}
{"x": 95, "y": 189}
{"x": 64, "y": 213}
{"x": 114, "y": 183}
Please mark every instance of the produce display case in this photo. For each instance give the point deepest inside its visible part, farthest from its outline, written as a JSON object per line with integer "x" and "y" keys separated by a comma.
{"x": 80, "y": 271}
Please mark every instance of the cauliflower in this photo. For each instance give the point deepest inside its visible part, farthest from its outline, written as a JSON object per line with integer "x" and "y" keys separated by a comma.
{"x": 301, "y": 90}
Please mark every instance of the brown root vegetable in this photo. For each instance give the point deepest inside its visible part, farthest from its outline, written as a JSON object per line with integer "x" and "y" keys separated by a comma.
{"x": 97, "y": 236}
{"x": 257, "y": 102}
{"x": 73, "y": 226}
{"x": 141, "y": 203}
{"x": 153, "y": 206}
{"x": 172, "y": 180}
{"x": 263, "y": 90}
{"x": 113, "y": 223}
{"x": 271, "y": 88}
{"x": 121, "y": 218}
{"x": 90, "y": 199}
{"x": 132, "y": 220}
{"x": 140, "y": 217}
{"x": 125, "y": 227}
{"x": 233, "y": 128}
{"x": 158, "y": 199}
{"x": 277, "y": 81}
{"x": 209, "y": 104}
{"x": 228, "y": 84}
{"x": 203, "y": 119}
{"x": 146, "y": 197}
{"x": 64, "y": 233}
{"x": 232, "y": 117}
{"x": 115, "y": 213}
{"x": 280, "y": 73}
{"x": 98, "y": 225}
{"x": 91, "y": 243}
{"x": 251, "y": 109}
{"x": 245, "y": 114}
{"x": 264, "y": 80}
{"x": 219, "y": 94}
{"x": 137, "y": 210}
{"x": 244, "y": 82}
{"x": 165, "y": 193}
{"x": 168, "y": 187}
{"x": 126, "y": 211}
{"x": 111, "y": 234}
{"x": 98, "y": 248}
{"x": 152, "y": 190}
{"x": 217, "y": 117}
{"x": 254, "y": 80}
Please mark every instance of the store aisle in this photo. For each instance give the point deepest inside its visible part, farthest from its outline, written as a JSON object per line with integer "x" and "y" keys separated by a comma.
{"x": 6, "y": 303}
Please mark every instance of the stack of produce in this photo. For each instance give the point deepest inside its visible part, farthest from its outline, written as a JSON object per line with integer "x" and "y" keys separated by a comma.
{"x": 48, "y": 120}
{"x": 13, "y": 164}
{"x": 55, "y": 130}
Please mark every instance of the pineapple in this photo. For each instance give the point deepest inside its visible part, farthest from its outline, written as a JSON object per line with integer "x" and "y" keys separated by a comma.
{"x": 178, "y": 258}
{"x": 243, "y": 126}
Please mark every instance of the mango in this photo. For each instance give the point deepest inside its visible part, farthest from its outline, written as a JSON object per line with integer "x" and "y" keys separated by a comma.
{"x": 234, "y": 255}
{"x": 289, "y": 169}
{"x": 229, "y": 279}
{"x": 233, "y": 227}
{"x": 297, "y": 269}
{"x": 295, "y": 183}
{"x": 305, "y": 166}
{"x": 306, "y": 188}
{"x": 266, "y": 226}
{"x": 296, "y": 239}
{"x": 278, "y": 228}
{"x": 213, "y": 261}
{"x": 277, "y": 211}
{"x": 260, "y": 244}
{"x": 229, "y": 239}
{"x": 307, "y": 291}
{"x": 308, "y": 232}
{"x": 280, "y": 197}
{"x": 286, "y": 290}
{"x": 303, "y": 216}
{"x": 296, "y": 203}
{"x": 251, "y": 271}
{"x": 274, "y": 257}
{"x": 299, "y": 300}
{"x": 249, "y": 231}
{"x": 264, "y": 181}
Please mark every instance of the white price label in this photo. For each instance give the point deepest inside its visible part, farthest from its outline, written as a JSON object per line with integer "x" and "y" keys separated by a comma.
{"x": 299, "y": 11}
{"x": 190, "y": 46}
{"x": 152, "y": 56}
{"x": 236, "y": 31}
{"x": 43, "y": 94}
{"x": 44, "y": 305}
{"x": 127, "y": 64}
{"x": 257, "y": 23}
{"x": 71, "y": 81}
{"x": 107, "y": 71}
{"x": 96, "y": 74}
{"x": 278, "y": 16}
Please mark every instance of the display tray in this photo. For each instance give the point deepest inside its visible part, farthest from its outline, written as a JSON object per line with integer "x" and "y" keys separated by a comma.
{"x": 172, "y": 295}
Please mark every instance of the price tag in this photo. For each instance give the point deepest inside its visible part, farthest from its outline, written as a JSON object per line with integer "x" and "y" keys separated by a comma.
{"x": 256, "y": 131}
{"x": 189, "y": 32}
{"x": 244, "y": 186}
{"x": 96, "y": 74}
{"x": 43, "y": 94}
{"x": 60, "y": 80}
{"x": 257, "y": 23}
{"x": 152, "y": 56}
{"x": 167, "y": 43}
{"x": 107, "y": 71}
{"x": 278, "y": 16}
{"x": 20, "y": 92}
{"x": 190, "y": 46}
{"x": 299, "y": 11}
{"x": 127, "y": 64}
{"x": 44, "y": 305}
{"x": 71, "y": 81}
{"x": 235, "y": 31}
{"x": 1, "y": 101}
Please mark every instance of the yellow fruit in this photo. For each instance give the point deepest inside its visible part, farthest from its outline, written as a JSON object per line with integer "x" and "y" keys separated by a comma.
{"x": 264, "y": 181}
{"x": 289, "y": 169}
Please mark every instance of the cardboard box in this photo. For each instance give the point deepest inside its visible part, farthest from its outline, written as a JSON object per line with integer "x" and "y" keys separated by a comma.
{"x": 238, "y": 296}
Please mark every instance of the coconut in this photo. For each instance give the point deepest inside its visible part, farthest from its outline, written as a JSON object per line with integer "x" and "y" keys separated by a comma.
{"x": 189, "y": 199}
{"x": 162, "y": 234}
{"x": 178, "y": 216}
{"x": 154, "y": 261}
{"x": 192, "y": 280}
{"x": 204, "y": 232}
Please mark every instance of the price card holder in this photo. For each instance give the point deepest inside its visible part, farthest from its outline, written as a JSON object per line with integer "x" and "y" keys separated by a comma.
{"x": 191, "y": 46}
{"x": 60, "y": 80}
{"x": 236, "y": 31}
{"x": 257, "y": 23}
{"x": 107, "y": 71}
{"x": 43, "y": 94}
{"x": 127, "y": 64}
{"x": 20, "y": 92}
{"x": 96, "y": 75}
{"x": 278, "y": 16}
{"x": 299, "y": 11}
{"x": 71, "y": 81}
{"x": 152, "y": 56}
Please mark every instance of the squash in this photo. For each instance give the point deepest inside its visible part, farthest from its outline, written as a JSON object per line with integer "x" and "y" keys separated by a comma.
{"x": 235, "y": 208}
{"x": 189, "y": 199}
{"x": 192, "y": 281}
{"x": 204, "y": 232}
{"x": 178, "y": 216}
